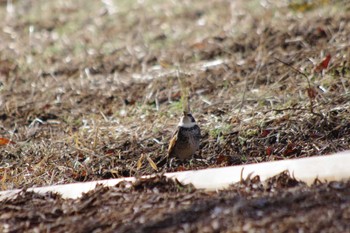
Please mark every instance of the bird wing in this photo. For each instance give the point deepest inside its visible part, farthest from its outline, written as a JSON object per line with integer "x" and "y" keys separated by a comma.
{"x": 198, "y": 132}
{"x": 173, "y": 141}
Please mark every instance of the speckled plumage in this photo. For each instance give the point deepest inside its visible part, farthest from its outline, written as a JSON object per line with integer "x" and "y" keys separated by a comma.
{"x": 185, "y": 140}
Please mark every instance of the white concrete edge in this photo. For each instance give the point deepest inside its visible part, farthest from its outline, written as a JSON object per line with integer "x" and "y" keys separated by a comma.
{"x": 325, "y": 168}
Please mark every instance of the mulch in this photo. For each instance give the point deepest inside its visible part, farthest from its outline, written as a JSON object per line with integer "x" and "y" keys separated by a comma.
{"x": 281, "y": 204}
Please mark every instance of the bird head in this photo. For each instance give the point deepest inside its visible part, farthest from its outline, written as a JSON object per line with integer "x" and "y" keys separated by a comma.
{"x": 187, "y": 120}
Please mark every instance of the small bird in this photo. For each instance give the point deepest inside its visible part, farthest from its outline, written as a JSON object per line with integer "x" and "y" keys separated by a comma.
{"x": 185, "y": 140}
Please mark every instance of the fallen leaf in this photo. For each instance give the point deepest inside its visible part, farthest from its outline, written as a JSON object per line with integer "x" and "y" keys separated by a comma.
{"x": 291, "y": 149}
{"x": 265, "y": 132}
{"x": 268, "y": 151}
{"x": 221, "y": 159}
{"x": 80, "y": 175}
{"x": 5, "y": 141}
{"x": 323, "y": 65}
{"x": 311, "y": 92}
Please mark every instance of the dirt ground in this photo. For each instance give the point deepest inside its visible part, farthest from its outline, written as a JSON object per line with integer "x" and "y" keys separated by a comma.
{"x": 92, "y": 91}
{"x": 282, "y": 204}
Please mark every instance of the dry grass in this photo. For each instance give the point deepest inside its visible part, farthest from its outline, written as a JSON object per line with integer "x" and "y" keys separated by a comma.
{"x": 89, "y": 89}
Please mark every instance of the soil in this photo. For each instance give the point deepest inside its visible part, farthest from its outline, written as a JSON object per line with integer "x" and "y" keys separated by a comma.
{"x": 282, "y": 204}
{"x": 94, "y": 91}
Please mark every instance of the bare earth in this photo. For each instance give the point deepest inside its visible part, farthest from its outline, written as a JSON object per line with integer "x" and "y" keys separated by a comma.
{"x": 159, "y": 205}
{"x": 91, "y": 90}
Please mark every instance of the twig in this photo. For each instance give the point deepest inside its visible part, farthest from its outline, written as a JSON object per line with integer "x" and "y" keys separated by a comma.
{"x": 308, "y": 83}
{"x": 286, "y": 109}
{"x": 185, "y": 97}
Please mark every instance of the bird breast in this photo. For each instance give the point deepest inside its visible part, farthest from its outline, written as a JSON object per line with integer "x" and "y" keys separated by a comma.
{"x": 187, "y": 142}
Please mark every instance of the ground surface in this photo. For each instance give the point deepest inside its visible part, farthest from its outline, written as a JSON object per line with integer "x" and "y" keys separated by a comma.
{"x": 92, "y": 91}
{"x": 280, "y": 205}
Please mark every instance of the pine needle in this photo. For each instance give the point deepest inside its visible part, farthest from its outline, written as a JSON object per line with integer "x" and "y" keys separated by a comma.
{"x": 140, "y": 161}
{"x": 152, "y": 163}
